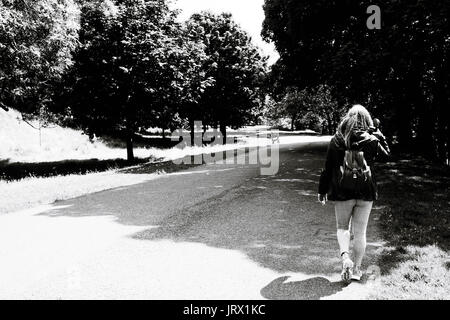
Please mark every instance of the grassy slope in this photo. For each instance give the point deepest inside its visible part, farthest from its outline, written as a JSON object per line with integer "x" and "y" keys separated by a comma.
{"x": 21, "y": 142}
{"x": 416, "y": 225}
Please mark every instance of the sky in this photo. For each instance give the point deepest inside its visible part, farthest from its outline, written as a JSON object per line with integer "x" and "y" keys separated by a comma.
{"x": 248, "y": 13}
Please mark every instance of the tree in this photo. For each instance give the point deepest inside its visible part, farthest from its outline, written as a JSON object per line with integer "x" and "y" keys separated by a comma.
{"x": 126, "y": 70}
{"x": 36, "y": 41}
{"x": 310, "y": 108}
{"x": 294, "y": 104}
{"x": 237, "y": 68}
{"x": 397, "y": 71}
{"x": 191, "y": 78}
{"x": 325, "y": 106}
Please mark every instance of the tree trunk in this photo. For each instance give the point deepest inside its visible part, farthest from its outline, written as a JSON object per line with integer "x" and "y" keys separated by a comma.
{"x": 192, "y": 127}
{"x": 441, "y": 101}
{"x": 441, "y": 142}
{"x": 130, "y": 153}
{"x": 223, "y": 130}
{"x": 329, "y": 124}
{"x": 4, "y": 107}
{"x": 406, "y": 111}
{"x": 404, "y": 126}
{"x": 164, "y": 133}
{"x": 441, "y": 131}
{"x": 425, "y": 128}
{"x": 448, "y": 144}
{"x": 293, "y": 119}
{"x": 425, "y": 141}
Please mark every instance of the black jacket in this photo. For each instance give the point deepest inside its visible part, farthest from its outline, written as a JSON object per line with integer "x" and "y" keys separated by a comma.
{"x": 373, "y": 146}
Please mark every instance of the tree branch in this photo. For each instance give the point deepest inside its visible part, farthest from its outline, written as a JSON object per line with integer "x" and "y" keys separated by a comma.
{"x": 4, "y": 107}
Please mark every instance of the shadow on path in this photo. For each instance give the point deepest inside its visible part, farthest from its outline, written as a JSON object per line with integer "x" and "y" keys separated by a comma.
{"x": 274, "y": 220}
{"x": 309, "y": 289}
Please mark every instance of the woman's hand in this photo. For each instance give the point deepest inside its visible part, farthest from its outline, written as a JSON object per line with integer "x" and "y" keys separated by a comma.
{"x": 380, "y": 136}
{"x": 323, "y": 198}
{"x": 383, "y": 146}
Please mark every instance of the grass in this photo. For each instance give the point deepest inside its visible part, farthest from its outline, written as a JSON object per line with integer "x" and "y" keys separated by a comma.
{"x": 21, "y": 143}
{"x": 416, "y": 226}
{"x": 418, "y": 273}
{"x": 31, "y": 192}
{"x": 417, "y": 198}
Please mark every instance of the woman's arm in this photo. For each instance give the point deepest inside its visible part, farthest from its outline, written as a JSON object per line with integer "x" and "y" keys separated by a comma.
{"x": 383, "y": 149}
{"x": 327, "y": 173}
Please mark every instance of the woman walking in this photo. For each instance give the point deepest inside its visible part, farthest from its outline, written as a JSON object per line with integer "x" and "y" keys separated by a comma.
{"x": 348, "y": 179}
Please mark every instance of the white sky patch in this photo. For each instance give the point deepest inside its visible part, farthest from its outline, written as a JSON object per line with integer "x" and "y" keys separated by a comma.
{"x": 248, "y": 13}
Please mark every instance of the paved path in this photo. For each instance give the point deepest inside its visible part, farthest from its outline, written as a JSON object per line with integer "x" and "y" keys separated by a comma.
{"x": 212, "y": 232}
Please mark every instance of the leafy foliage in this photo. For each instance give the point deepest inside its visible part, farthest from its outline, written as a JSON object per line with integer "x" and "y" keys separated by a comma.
{"x": 235, "y": 64}
{"x": 310, "y": 108}
{"x": 36, "y": 42}
{"x": 134, "y": 68}
{"x": 117, "y": 67}
{"x": 399, "y": 72}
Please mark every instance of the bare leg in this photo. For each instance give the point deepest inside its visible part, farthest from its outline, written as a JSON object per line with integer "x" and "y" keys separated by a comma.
{"x": 360, "y": 220}
{"x": 343, "y": 237}
{"x": 343, "y": 211}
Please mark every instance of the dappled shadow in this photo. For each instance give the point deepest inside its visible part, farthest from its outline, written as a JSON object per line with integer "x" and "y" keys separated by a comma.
{"x": 416, "y": 196}
{"x": 309, "y": 289}
{"x": 391, "y": 258}
{"x": 415, "y": 201}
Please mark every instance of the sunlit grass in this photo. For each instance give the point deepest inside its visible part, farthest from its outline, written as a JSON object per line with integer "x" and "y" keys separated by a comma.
{"x": 32, "y": 191}
{"x": 417, "y": 273}
{"x": 20, "y": 142}
{"x": 415, "y": 224}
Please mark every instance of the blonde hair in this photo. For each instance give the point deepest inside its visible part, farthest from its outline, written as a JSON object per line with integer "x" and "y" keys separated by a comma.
{"x": 357, "y": 118}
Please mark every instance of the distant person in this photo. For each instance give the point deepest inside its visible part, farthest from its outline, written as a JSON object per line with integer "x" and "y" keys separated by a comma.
{"x": 348, "y": 179}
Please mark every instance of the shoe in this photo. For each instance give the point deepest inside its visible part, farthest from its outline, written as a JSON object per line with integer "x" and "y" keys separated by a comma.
{"x": 347, "y": 270}
{"x": 357, "y": 274}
